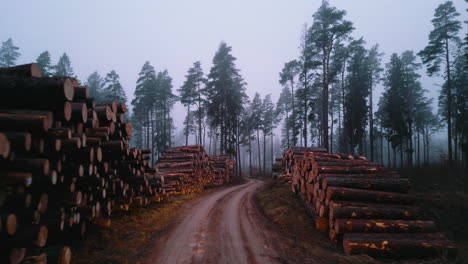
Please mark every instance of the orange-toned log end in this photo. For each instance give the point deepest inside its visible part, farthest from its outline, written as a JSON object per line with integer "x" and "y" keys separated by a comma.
{"x": 322, "y": 224}
{"x": 40, "y": 235}
{"x": 9, "y": 223}
{"x": 4, "y": 146}
{"x": 398, "y": 245}
{"x": 68, "y": 89}
{"x": 64, "y": 256}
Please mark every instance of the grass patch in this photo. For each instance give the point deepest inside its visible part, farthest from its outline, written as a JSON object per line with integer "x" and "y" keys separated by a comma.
{"x": 130, "y": 236}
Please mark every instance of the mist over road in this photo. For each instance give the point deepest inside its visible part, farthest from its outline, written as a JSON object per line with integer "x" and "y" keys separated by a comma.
{"x": 222, "y": 227}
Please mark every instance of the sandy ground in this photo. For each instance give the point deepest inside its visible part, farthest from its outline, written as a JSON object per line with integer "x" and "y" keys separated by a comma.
{"x": 222, "y": 227}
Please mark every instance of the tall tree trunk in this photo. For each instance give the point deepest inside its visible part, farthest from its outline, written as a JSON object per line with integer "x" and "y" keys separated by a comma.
{"x": 250, "y": 153}
{"x": 419, "y": 148}
{"x": 238, "y": 156}
{"x": 259, "y": 153}
{"x": 271, "y": 149}
{"x": 293, "y": 116}
{"x": 199, "y": 115}
{"x": 343, "y": 141}
{"x": 371, "y": 122}
{"x": 187, "y": 126}
{"x": 264, "y": 152}
{"x": 331, "y": 132}
{"x": 381, "y": 145}
{"x": 287, "y": 127}
{"x": 449, "y": 102}
{"x": 326, "y": 72}
{"x": 388, "y": 154}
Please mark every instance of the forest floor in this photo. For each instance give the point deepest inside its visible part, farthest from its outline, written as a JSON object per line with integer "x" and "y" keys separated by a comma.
{"x": 446, "y": 203}
{"x": 252, "y": 221}
{"x": 129, "y": 238}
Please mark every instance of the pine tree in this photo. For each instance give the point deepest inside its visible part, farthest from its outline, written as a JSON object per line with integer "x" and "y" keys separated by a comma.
{"x": 440, "y": 53}
{"x": 328, "y": 29}
{"x": 190, "y": 94}
{"x": 284, "y": 108}
{"x": 164, "y": 101}
{"x": 225, "y": 93}
{"x": 95, "y": 85}
{"x": 113, "y": 90}
{"x": 287, "y": 78}
{"x": 43, "y": 61}
{"x": 268, "y": 124}
{"x": 256, "y": 122}
{"x": 374, "y": 70}
{"x": 63, "y": 67}
{"x": 357, "y": 92}
{"x": 8, "y": 54}
{"x": 143, "y": 102}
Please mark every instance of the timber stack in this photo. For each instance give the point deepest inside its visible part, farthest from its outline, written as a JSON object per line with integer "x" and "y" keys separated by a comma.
{"x": 184, "y": 169}
{"x": 64, "y": 164}
{"x": 223, "y": 168}
{"x": 364, "y": 206}
{"x": 290, "y": 163}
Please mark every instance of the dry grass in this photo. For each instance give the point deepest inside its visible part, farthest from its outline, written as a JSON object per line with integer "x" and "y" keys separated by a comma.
{"x": 131, "y": 236}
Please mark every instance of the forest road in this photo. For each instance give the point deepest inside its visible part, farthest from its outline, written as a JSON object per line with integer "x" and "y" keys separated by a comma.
{"x": 224, "y": 226}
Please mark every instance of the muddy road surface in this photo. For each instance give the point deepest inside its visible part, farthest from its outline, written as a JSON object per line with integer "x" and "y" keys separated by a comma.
{"x": 224, "y": 226}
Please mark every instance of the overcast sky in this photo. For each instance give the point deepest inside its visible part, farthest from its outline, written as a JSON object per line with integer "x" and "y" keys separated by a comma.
{"x": 172, "y": 34}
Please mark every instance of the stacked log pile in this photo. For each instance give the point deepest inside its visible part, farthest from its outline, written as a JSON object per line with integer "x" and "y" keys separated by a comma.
{"x": 64, "y": 163}
{"x": 184, "y": 169}
{"x": 365, "y": 207}
{"x": 223, "y": 168}
{"x": 291, "y": 160}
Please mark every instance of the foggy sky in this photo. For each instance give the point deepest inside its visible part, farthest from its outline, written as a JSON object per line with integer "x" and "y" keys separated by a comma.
{"x": 114, "y": 34}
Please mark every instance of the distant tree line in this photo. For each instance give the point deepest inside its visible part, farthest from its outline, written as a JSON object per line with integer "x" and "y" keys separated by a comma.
{"x": 327, "y": 98}
{"x": 328, "y": 91}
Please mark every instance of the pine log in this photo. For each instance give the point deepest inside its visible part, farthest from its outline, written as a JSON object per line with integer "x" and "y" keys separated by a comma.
{"x": 40, "y": 166}
{"x": 348, "y": 194}
{"x": 6, "y": 145}
{"x": 346, "y": 170}
{"x": 389, "y": 184}
{"x": 25, "y": 70}
{"x": 398, "y": 245}
{"x": 20, "y": 142}
{"x": 79, "y": 112}
{"x": 352, "y": 210}
{"x": 27, "y": 236}
{"x": 104, "y": 113}
{"x": 15, "y": 178}
{"x": 29, "y": 123}
{"x": 35, "y": 93}
{"x": 112, "y": 105}
{"x": 383, "y": 226}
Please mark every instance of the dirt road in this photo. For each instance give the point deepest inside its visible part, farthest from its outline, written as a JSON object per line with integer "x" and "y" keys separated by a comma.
{"x": 222, "y": 227}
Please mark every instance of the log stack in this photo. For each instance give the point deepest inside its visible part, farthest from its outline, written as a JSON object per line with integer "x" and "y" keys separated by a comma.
{"x": 364, "y": 206}
{"x": 290, "y": 164}
{"x": 223, "y": 168}
{"x": 64, "y": 164}
{"x": 184, "y": 169}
